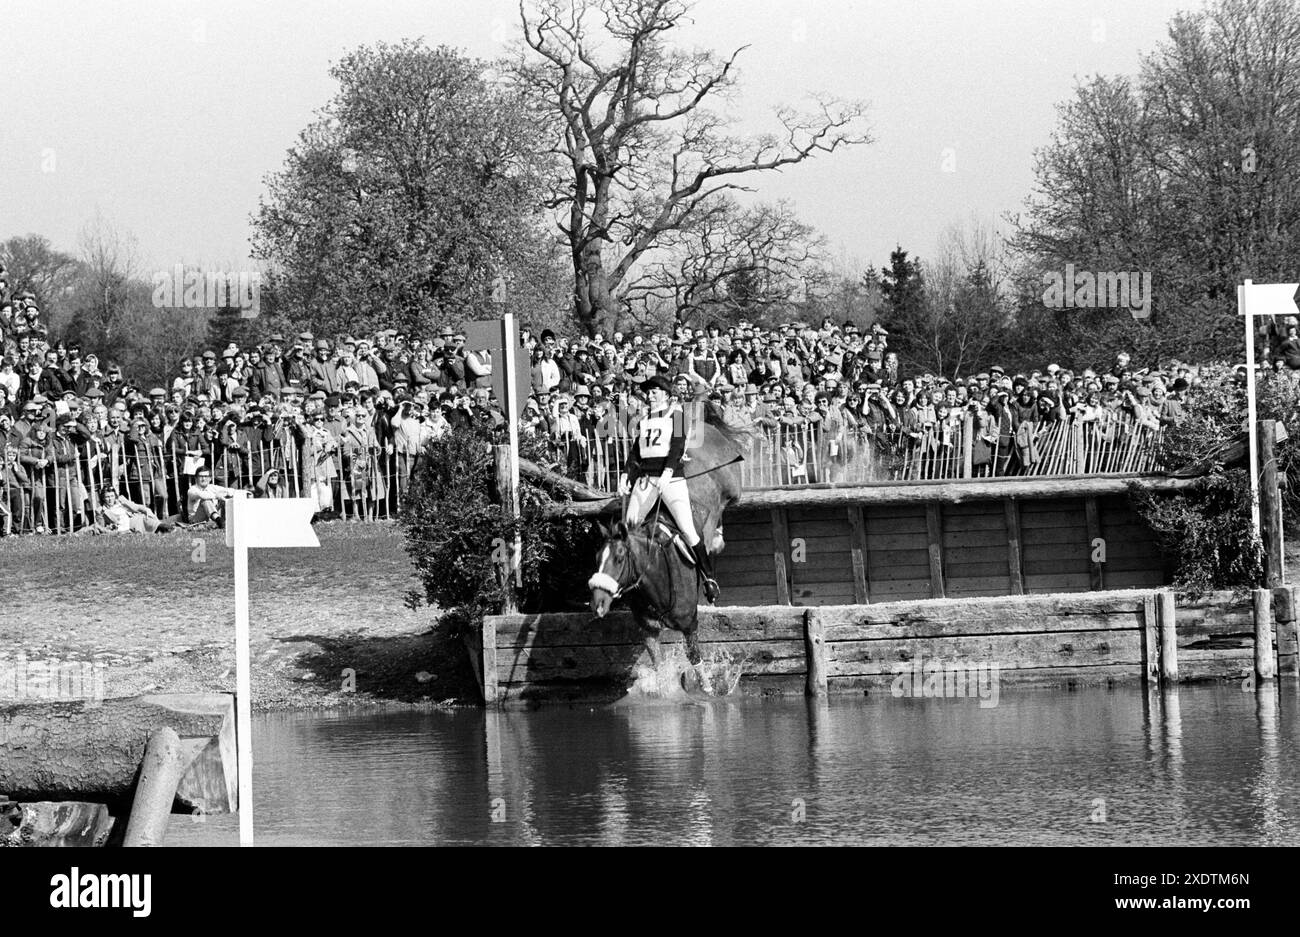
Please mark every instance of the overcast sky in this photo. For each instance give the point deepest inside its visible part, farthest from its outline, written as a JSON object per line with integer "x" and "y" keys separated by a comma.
{"x": 166, "y": 115}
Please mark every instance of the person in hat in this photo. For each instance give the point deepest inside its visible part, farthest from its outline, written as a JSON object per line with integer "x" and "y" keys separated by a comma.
{"x": 655, "y": 470}
{"x": 322, "y": 374}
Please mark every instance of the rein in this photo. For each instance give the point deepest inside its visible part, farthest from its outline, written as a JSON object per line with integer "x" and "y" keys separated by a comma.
{"x": 640, "y": 570}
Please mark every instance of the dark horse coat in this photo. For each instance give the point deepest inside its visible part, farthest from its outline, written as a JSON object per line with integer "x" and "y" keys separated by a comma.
{"x": 660, "y": 585}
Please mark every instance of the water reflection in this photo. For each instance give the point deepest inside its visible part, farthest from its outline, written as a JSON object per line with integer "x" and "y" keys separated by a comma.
{"x": 1192, "y": 765}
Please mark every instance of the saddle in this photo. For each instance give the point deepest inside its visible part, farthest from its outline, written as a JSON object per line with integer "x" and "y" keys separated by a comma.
{"x": 666, "y": 533}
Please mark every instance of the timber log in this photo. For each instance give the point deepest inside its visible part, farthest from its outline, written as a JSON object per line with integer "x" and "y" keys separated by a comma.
{"x": 88, "y": 751}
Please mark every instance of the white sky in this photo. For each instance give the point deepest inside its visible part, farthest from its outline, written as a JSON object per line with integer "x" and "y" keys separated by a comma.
{"x": 166, "y": 115}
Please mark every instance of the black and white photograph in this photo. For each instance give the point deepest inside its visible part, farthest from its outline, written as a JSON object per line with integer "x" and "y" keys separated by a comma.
{"x": 651, "y": 423}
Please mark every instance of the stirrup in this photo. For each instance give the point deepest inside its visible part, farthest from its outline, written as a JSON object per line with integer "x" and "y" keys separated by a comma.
{"x": 711, "y": 588}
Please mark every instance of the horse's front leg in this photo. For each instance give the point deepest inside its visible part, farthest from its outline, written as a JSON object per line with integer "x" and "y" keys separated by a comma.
{"x": 688, "y": 614}
{"x": 650, "y": 629}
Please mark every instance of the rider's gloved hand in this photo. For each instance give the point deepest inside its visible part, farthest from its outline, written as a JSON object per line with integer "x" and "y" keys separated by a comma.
{"x": 624, "y": 486}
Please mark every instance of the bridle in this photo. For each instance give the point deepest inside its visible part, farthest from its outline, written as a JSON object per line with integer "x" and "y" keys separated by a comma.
{"x": 639, "y": 568}
{"x": 630, "y": 558}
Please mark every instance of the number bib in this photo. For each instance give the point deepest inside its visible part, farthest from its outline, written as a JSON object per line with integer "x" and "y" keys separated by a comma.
{"x": 655, "y": 436}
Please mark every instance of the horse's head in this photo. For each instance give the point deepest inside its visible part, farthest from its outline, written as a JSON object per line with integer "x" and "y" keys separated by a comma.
{"x": 615, "y": 569}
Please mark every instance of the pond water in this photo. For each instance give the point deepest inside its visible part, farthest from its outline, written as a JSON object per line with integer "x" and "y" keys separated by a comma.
{"x": 1207, "y": 765}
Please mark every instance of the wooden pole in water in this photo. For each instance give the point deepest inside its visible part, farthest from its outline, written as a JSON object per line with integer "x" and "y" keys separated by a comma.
{"x": 160, "y": 772}
{"x": 1284, "y": 618}
{"x": 1168, "y": 639}
{"x": 1269, "y": 504}
{"x": 1150, "y": 641}
{"x": 815, "y": 653}
{"x": 1265, "y": 668}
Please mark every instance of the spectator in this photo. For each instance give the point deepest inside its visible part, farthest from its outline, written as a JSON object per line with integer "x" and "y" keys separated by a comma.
{"x": 205, "y": 502}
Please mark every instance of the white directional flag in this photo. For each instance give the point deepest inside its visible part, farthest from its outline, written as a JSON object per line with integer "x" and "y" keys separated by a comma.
{"x": 272, "y": 522}
{"x": 1270, "y": 299}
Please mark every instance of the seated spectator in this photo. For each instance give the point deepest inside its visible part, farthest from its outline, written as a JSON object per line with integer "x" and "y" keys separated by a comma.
{"x": 204, "y": 499}
{"x": 118, "y": 515}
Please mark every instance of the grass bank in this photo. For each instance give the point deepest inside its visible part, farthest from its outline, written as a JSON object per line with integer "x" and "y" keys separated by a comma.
{"x": 158, "y": 613}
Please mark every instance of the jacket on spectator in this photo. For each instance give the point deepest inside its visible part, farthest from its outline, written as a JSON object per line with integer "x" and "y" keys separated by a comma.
{"x": 266, "y": 378}
{"x": 323, "y": 375}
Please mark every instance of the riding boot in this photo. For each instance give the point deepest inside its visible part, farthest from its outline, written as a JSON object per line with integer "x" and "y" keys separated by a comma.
{"x": 704, "y": 564}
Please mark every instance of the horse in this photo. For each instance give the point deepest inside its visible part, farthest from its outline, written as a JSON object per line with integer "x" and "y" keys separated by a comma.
{"x": 659, "y": 582}
{"x": 661, "y": 587}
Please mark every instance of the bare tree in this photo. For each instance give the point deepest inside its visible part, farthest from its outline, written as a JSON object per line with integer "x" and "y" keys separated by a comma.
{"x": 965, "y": 309}
{"x": 641, "y": 155}
{"x": 726, "y": 261}
{"x": 110, "y": 261}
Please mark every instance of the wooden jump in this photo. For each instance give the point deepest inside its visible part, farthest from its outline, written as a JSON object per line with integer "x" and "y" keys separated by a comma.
{"x": 922, "y": 492}
{"x": 1050, "y": 640}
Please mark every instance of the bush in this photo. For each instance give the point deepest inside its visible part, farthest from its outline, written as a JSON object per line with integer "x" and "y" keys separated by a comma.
{"x": 454, "y": 523}
{"x": 1278, "y": 398}
{"x": 1206, "y": 531}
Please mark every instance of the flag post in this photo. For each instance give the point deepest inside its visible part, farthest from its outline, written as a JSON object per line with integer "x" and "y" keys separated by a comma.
{"x": 243, "y": 665}
{"x": 510, "y": 377}
{"x": 1244, "y": 309}
{"x": 256, "y": 524}
{"x": 510, "y": 343}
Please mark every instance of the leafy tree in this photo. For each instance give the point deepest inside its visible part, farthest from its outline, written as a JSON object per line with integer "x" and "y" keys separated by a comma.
{"x": 400, "y": 206}
{"x": 1191, "y": 173}
{"x": 33, "y": 264}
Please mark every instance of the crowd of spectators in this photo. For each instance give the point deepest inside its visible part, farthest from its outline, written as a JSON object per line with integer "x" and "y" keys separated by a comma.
{"x": 344, "y": 420}
{"x": 835, "y": 390}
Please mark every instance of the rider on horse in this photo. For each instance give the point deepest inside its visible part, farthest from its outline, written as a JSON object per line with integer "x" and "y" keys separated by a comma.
{"x": 655, "y": 469}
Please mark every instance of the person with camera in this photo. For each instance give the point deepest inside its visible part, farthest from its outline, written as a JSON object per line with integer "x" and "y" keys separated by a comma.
{"x": 406, "y": 442}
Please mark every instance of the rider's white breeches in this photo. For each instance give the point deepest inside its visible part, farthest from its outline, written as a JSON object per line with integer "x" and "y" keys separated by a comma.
{"x": 676, "y": 499}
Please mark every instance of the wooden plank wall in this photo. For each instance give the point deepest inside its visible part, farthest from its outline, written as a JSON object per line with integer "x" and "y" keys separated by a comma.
{"x": 898, "y": 558}
{"x": 847, "y": 554}
{"x": 1097, "y": 637}
{"x": 1133, "y": 559}
{"x": 746, "y": 565}
{"x": 975, "y": 549}
{"x": 821, "y": 568}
